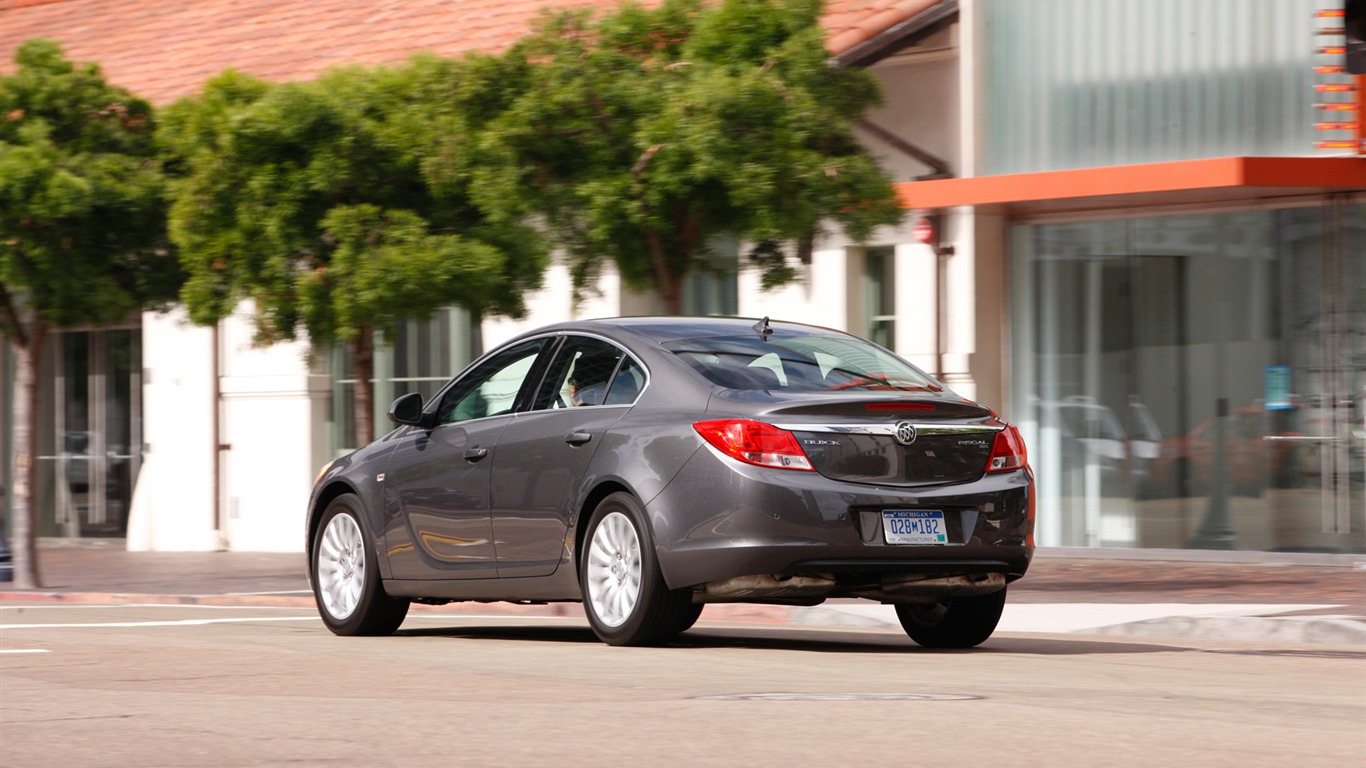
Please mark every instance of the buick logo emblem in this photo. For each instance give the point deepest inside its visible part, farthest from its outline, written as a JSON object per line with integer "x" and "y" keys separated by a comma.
{"x": 905, "y": 433}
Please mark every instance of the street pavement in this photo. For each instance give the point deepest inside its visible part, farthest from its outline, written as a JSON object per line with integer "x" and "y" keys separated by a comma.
{"x": 1276, "y": 597}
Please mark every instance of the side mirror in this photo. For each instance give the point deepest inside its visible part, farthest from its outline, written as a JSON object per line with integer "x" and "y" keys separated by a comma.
{"x": 407, "y": 410}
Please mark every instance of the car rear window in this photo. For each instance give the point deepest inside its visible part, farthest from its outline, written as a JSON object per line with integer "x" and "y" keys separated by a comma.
{"x": 801, "y": 363}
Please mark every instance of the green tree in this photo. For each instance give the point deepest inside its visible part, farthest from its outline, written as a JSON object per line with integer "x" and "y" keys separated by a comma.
{"x": 309, "y": 199}
{"x": 641, "y": 136}
{"x": 82, "y": 231}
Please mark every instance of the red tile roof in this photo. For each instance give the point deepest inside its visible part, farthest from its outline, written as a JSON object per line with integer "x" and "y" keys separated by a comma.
{"x": 166, "y": 49}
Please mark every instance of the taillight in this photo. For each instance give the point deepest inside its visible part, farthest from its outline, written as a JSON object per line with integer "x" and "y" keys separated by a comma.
{"x": 754, "y": 442}
{"x": 1008, "y": 452}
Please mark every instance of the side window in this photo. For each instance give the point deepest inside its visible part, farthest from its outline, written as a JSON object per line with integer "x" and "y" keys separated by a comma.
{"x": 580, "y": 374}
{"x": 491, "y": 388}
{"x": 626, "y": 385}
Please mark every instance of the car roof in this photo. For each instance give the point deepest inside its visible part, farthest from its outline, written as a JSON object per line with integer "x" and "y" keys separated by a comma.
{"x": 662, "y": 329}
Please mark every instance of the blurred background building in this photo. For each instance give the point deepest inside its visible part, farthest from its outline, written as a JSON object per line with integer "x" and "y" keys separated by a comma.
{"x": 1129, "y": 236}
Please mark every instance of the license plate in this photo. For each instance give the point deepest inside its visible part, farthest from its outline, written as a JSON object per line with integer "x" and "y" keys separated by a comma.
{"x": 914, "y": 526}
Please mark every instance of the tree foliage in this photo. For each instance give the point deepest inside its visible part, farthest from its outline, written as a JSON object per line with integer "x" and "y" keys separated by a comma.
{"x": 641, "y": 136}
{"x": 82, "y": 218}
{"x": 82, "y": 228}
{"x": 309, "y": 199}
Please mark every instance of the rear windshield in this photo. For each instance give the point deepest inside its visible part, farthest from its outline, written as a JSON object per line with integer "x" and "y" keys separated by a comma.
{"x": 809, "y": 363}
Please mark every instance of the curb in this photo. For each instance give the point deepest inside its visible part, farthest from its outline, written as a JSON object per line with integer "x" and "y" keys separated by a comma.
{"x": 1205, "y": 557}
{"x": 1336, "y": 630}
{"x": 1308, "y": 629}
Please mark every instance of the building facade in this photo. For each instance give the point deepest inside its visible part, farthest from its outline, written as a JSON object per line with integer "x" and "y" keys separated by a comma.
{"x": 1187, "y": 271}
{"x": 1124, "y": 239}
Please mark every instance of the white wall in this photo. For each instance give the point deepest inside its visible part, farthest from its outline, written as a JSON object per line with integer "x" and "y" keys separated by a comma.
{"x": 817, "y": 297}
{"x": 172, "y": 507}
{"x": 921, "y": 99}
{"x": 915, "y": 304}
{"x": 554, "y": 303}
{"x": 275, "y": 430}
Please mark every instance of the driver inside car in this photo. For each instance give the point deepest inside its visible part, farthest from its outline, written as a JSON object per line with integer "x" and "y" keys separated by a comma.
{"x": 588, "y": 382}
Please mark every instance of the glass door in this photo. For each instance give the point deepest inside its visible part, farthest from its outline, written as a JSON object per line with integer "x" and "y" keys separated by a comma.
{"x": 92, "y": 440}
{"x": 1320, "y": 393}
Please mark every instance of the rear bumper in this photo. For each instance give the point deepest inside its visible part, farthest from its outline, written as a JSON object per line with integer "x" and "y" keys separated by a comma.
{"x": 720, "y": 519}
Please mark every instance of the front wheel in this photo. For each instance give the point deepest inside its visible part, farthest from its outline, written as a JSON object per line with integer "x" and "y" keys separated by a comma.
{"x": 624, "y": 594}
{"x": 346, "y": 582}
{"x": 953, "y": 622}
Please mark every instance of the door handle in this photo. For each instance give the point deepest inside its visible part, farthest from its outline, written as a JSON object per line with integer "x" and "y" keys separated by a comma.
{"x": 475, "y": 454}
{"x": 577, "y": 438}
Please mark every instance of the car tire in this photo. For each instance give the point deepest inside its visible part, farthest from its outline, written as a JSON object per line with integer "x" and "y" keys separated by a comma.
{"x": 345, "y": 575}
{"x": 953, "y": 622}
{"x": 624, "y": 594}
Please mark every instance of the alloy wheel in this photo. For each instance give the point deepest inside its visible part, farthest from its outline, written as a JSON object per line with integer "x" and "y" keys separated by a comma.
{"x": 614, "y": 569}
{"x": 341, "y": 566}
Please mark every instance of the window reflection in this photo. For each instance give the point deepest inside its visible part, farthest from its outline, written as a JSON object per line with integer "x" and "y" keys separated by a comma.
{"x": 1196, "y": 381}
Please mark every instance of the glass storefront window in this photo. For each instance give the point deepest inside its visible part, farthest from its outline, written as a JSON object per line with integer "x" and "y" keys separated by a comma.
{"x": 879, "y": 295}
{"x": 710, "y": 289}
{"x": 1196, "y": 381}
{"x": 421, "y": 357}
{"x": 90, "y": 433}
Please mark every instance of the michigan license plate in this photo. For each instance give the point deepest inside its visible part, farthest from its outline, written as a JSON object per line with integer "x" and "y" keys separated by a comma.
{"x": 914, "y": 526}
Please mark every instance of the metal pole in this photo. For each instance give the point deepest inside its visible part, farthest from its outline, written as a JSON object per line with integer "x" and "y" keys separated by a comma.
{"x": 1216, "y": 532}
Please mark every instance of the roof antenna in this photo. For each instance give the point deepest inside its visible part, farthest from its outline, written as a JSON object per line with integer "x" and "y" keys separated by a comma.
{"x": 763, "y": 329}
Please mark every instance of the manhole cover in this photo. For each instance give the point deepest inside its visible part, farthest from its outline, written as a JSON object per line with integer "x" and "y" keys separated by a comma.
{"x": 838, "y": 697}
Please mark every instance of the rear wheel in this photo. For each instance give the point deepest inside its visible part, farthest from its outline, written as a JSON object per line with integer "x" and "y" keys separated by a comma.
{"x": 346, "y": 582}
{"x": 624, "y": 594}
{"x": 953, "y": 622}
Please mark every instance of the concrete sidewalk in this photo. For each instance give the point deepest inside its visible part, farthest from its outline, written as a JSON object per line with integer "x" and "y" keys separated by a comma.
{"x": 1228, "y": 595}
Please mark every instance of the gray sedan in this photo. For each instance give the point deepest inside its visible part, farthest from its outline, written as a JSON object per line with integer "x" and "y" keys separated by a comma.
{"x": 648, "y": 466}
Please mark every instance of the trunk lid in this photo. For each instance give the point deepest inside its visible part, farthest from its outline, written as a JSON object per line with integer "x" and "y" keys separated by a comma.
{"x": 902, "y": 442}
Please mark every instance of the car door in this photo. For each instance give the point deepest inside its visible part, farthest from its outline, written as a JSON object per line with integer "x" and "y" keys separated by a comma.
{"x": 437, "y": 482}
{"x": 544, "y": 453}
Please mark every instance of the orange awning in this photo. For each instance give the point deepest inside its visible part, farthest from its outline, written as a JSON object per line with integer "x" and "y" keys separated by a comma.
{"x": 1214, "y": 180}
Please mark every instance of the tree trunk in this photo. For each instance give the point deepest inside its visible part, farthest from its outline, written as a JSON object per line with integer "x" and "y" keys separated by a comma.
{"x": 671, "y": 294}
{"x": 29, "y": 357}
{"x": 362, "y": 350}
{"x": 667, "y": 283}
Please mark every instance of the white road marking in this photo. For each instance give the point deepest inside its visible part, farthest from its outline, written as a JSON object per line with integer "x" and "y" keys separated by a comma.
{"x": 262, "y": 594}
{"x": 177, "y": 623}
{"x": 246, "y": 619}
{"x": 24, "y": 650}
{"x": 58, "y": 606}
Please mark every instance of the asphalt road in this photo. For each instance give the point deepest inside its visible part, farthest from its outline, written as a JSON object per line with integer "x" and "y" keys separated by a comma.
{"x": 131, "y": 685}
